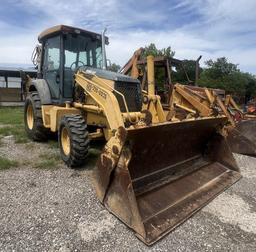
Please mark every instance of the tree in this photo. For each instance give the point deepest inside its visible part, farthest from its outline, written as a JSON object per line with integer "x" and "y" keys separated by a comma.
{"x": 114, "y": 67}
{"x": 226, "y": 75}
{"x": 152, "y": 50}
{"x": 221, "y": 68}
{"x": 179, "y": 74}
{"x": 250, "y": 88}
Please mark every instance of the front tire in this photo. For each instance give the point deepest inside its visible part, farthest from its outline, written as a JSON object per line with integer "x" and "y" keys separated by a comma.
{"x": 33, "y": 118}
{"x": 73, "y": 140}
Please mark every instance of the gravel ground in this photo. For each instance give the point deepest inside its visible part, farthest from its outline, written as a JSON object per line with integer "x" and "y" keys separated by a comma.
{"x": 56, "y": 209}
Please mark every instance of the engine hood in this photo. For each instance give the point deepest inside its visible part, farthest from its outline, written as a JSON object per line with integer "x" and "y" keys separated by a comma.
{"x": 105, "y": 74}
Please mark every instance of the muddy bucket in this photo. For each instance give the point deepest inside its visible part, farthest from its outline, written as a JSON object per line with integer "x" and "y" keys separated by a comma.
{"x": 154, "y": 178}
{"x": 242, "y": 139}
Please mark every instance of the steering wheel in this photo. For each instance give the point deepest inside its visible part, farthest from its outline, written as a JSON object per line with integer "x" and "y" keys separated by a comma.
{"x": 78, "y": 63}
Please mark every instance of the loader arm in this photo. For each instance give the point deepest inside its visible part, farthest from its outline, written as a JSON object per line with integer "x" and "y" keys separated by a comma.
{"x": 230, "y": 101}
{"x": 240, "y": 134}
{"x": 190, "y": 101}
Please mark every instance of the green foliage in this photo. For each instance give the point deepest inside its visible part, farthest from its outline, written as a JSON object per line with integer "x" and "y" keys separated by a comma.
{"x": 159, "y": 72}
{"x": 221, "y": 68}
{"x": 226, "y": 75}
{"x": 180, "y": 76}
{"x": 114, "y": 67}
{"x": 250, "y": 88}
{"x": 152, "y": 50}
{"x": 6, "y": 163}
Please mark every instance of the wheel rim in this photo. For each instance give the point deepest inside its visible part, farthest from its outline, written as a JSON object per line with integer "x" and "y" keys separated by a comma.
{"x": 30, "y": 117}
{"x": 65, "y": 141}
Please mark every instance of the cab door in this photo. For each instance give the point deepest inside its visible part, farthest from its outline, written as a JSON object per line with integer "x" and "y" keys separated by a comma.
{"x": 51, "y": 66}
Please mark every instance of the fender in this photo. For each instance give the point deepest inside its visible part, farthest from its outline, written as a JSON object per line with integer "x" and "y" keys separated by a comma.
{"x": 41, "y": 86}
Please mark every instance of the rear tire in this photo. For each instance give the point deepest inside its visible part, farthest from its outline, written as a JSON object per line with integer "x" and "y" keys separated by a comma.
{"x": 33, "y": 118}
{"x": 73, "y": 140}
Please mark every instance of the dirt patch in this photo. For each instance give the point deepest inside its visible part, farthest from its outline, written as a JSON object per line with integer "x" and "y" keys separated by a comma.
{"x": 31, "y": 154}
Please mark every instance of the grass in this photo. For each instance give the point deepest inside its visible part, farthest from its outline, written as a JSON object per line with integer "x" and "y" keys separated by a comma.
{"x": 11, "y": 118}
{"x": 46, "y": 164}
{"x": 53, "y": 144}
{"x": 47, "y": 161}
{"x": 11, "y": 115}
{"x": 6, "y": 163}
{"x": 17, "y": 131}
{"x": 12, "y": 124}
{"x": 30, "y": 146}
{"x": 94, "y": 153}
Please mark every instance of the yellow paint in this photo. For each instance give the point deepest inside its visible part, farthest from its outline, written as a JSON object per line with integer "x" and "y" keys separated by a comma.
{"x": 30, "y": 117}
{"x": 154, "y": 105}
{"x": 151, "y": 75}
{"x": 189, "y": 99}
{"x": 100, "y": 91}
{"x": 53, "y": 114}
{"x": 65, "y": 141}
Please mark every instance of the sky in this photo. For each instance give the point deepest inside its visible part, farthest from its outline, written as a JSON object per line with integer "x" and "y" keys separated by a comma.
{"x": 211, "y": 28}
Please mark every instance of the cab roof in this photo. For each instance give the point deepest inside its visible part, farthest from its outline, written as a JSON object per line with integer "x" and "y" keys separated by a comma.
{"x": 58, "y": 29}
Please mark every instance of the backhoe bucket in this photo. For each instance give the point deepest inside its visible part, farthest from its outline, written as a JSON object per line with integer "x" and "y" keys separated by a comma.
{"x": 154, "y": 178}
{"x": 242, "y": 139}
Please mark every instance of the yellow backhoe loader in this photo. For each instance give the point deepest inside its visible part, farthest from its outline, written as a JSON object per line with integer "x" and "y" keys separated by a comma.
{"x": 153, "y": 173}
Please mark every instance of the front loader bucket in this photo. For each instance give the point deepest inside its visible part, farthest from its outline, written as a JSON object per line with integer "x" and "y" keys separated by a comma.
{"x": 242, "y": 139}
{"x": 154, "y": 178}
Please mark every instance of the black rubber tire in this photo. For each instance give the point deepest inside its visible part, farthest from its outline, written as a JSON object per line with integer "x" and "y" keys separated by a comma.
{"x": 79, "y": 140}
{"x": 38, "y": 132}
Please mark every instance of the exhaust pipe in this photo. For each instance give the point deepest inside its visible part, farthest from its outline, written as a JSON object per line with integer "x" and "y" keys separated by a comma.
{"x": 104, "y": 57}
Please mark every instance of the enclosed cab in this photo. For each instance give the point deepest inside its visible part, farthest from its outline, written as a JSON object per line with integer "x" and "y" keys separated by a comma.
{"x": 70, "y": 73}
{"x": 64, "y": 49}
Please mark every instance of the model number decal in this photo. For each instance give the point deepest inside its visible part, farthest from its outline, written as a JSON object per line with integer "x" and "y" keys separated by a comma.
{"x": 92, "y": 88}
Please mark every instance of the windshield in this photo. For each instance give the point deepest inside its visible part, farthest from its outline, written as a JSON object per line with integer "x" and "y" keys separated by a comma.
{"x": 82, "y": 50}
